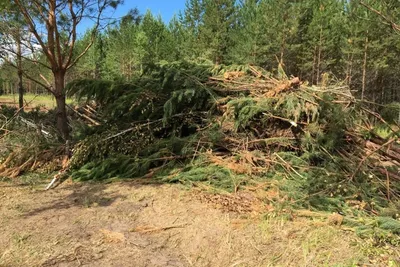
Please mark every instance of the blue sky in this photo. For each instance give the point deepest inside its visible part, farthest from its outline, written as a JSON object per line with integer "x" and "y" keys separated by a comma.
{"x": 165, "y": 8}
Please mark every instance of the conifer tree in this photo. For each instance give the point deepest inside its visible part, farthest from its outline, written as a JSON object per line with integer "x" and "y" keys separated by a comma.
{"x": 156, "y": 34}
{"x": 371, "y": 51}
{"x": 249, "y": 46}
{"x": 320, "y": 39}
{"x": 191, "y": 19}
{"x": 177, "y": 39}
{"x": 53, "y": 27}
{"x": 218, "y": 21}
{"x": 12, "y": 30}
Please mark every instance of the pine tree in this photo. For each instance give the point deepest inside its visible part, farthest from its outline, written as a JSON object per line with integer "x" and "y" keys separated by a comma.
{"x": 320, "y": 39}
{"x": 92, "y": 64}
{"x": 12, "y": 28}
{"x": 122, "y": 48}
{"x": 53, "y": 31}
{"x": 214, "y": 32}
{"x": 191, "y": 19}
{"x": 371, "y": 51}
{"x": 249, "y": 45}
{"x": 177, "y": 40}
{"x": 156, "y": 35}
{"x": 282, "y": 19}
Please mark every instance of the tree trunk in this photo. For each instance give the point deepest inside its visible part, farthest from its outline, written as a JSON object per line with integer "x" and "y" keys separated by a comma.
{"x": 19, "y": 66}
{"x": 319, "y": 56}
{"x": 349, "y": 70}
{"x": 379, "y": 86}
{"x": 282, "y": 48}
{"x": 364, "y": 72}
{"x": 313, "y": 65}
{"x": 59, "y": 93}
{"x": 218, "y": 60}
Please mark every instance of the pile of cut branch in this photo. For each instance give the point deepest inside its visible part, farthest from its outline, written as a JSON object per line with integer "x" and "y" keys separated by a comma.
{"x": 227, "y": 127}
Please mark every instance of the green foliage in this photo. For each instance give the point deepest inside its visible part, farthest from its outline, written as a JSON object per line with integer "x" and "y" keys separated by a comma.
{"x": 383, "y": 131}
{"x": 303, "y": 130}
{"x": 163, "y": 116}
{"x": 8, "y": 111}
{"x": 104, "y": 162}
{"x": 117, "y": 166}
{"x": 380, "y": 229}
{"x": 164, "y": 90}
{"x": 214, "y": 176}
{"x": 309, "y": 130}
{"x": 391, "y": 113}
{"x": 291, "y": 108}
{"x": 309, "y": 39}
{"x": 146, "y": 119}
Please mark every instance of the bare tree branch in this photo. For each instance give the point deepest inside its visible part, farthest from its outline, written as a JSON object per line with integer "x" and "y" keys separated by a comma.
{"x": 33, "y": 28}
{"x": 69, "y": 64}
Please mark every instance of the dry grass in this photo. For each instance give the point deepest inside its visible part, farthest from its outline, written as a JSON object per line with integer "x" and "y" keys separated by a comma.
{"x": 92, "y": 224}
{"x": 46, "y": 101}
{"x": 308, "y": 243}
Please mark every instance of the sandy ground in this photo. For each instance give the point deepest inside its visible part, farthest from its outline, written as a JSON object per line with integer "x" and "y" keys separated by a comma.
{"x": 136, "y": 224}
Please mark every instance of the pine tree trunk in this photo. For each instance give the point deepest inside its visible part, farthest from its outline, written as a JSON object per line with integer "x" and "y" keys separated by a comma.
{"x": 380, "y": 87}
{"x": 313, "y": 65}
{"x": 62, "y": 120}
{"x": 282, "y": 49}
{"x": 364, "y": 74}
{"x": 349, "y": 71}
{"x": 19, "y": 66}
{"x": 254, "y": 53}
{"x": 319, "y": 56}
{"x": 218, "y": 60}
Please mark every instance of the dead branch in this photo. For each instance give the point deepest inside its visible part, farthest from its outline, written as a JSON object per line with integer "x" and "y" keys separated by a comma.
{"x": 369, "y": 155}
{"x": 84, "y": 116}
{"x": 156, "y": 229}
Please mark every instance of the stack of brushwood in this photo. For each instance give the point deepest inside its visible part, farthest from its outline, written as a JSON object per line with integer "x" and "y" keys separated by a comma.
{"x": 28, "y": 143}
{"x": 231, "y": 127}
{"x": 320, "y": 138}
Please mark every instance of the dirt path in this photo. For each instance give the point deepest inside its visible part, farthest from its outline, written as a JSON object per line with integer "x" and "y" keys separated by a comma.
{"x": 131, "y": 224}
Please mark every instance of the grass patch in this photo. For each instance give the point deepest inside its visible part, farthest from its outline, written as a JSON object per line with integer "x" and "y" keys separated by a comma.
{"x": 309, "y": 243}
{"x": 47, "y": 101}
{"x": 313, "y": 242}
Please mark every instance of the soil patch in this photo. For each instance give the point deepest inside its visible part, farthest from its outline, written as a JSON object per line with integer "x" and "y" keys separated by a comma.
{"x": 134, "y": 224}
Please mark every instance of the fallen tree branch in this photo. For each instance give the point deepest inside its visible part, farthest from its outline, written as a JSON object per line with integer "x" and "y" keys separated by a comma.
{"x": 388, "y": 152}
{"x": 369, "y": 155}
{"x": 156, "y": 229}
{"x": 84, "y": 116}
{"x": 389, "y": 174}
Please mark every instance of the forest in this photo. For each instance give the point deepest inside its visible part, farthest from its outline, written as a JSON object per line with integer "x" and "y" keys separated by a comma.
{"x": 297, "y": 99}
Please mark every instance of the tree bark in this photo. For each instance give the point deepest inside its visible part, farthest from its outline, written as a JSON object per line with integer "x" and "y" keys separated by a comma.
{"x": 282, "y": 48}
{"x": 319, "y": 56}
{"x": 364, "y": 73}
{"x": 20, "y": 72}
{"x": 314, "y": 65}
{"x": 59, "y": 93}
{"x": 349, "y": 71}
